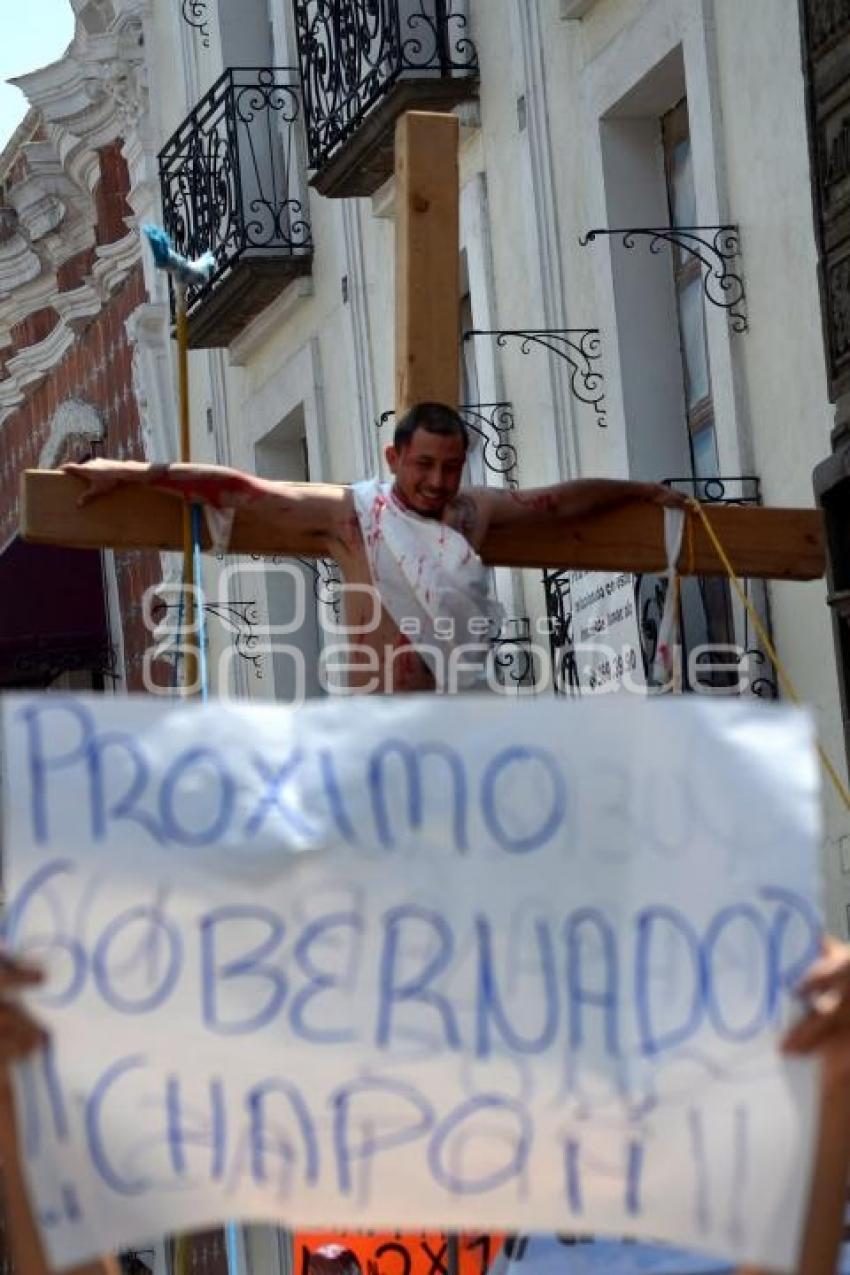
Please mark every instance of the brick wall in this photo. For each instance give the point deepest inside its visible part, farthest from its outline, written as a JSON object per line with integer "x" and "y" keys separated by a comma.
{"x": 97, "y": 370}
{"x": 73, "y": 272}
{"x": 34, "y": 328}
{"x": 110, "y": 195}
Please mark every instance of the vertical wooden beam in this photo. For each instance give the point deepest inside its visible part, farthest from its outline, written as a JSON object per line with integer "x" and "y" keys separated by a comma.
{"x": 427, "y": 201}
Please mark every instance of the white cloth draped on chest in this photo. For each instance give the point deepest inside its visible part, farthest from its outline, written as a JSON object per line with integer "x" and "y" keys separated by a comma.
{"x": 432, "y": 583}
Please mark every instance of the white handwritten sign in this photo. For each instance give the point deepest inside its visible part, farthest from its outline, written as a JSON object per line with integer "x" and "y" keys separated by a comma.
{"x": 606, "y": 633}
{"x": 415, "y": 963}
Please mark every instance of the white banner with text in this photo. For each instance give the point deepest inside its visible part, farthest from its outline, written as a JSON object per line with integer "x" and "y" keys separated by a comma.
{"x": 415, "y": 963}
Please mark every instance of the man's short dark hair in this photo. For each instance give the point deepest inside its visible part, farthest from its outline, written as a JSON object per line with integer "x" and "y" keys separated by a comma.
{"x": 436, "y": 418}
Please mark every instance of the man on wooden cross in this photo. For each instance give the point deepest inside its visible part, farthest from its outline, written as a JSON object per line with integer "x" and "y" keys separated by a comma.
{"x": 417, "y": 597}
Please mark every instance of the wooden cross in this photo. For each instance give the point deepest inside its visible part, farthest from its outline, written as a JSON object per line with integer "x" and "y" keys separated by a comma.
{"x": 783, "y": 544}
{"x": 769, "y": 543}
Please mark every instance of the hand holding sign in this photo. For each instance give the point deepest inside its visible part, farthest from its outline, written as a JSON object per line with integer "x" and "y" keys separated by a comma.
{"x": 826, "y": 1026}
{"x": 20, "y": 1034}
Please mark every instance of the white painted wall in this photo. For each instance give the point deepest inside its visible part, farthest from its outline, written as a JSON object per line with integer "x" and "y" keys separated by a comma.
{"x": 568, "y": 94}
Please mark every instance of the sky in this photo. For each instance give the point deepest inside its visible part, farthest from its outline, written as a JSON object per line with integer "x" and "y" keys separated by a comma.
{"x": 32, "y": 33}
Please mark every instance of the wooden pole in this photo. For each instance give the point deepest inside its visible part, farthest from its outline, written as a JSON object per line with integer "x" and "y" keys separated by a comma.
{"x": 824, "y": 1226}
{"x": 427, "y": 236}
{"x": 427, "y": 288}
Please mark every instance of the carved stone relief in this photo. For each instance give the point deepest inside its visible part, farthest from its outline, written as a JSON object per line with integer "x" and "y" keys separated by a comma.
{"x": 835, "y": 158}
{"x": 73, "y": 420}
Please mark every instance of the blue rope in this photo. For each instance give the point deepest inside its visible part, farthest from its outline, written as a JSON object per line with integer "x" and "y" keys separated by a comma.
{"x": 200, "y": 614}
{"x": 231, "y": 1243}
{"x": 231, "y": 1230}
{"x": 175, "y": 668}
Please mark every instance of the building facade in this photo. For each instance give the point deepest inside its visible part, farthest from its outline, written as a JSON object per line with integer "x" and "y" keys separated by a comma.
{"x": 639, "y": 288}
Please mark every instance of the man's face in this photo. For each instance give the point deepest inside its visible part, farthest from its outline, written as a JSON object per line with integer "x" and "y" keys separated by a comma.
{"x": 428, "y": 471}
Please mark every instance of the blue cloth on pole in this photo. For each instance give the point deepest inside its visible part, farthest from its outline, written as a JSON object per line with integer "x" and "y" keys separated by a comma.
{"x": 166, "y": 258}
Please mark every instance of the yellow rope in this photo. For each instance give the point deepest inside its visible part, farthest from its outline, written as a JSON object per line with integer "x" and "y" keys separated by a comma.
{"x": 781, "y": 671}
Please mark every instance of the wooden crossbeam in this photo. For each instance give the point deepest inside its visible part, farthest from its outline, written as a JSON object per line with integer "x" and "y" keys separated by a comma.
{"x": 781, "y": 544}
{"x": 777, "y": 544}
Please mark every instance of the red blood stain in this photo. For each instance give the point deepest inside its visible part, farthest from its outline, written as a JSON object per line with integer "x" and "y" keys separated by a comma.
{"x": 543, "y": 502}
{"x": 212, "y": 489}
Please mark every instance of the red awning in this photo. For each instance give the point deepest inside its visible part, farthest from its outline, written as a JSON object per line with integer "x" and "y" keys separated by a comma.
{"x": 52, "y": 613}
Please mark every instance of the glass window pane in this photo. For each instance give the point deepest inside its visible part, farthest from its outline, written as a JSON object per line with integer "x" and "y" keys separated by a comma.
{"x": 704, "y": 452}
{"x": 683, "y": 199}
{"x": 692, "y": 326}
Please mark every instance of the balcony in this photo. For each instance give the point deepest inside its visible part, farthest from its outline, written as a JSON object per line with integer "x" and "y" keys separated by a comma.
{"x": 232, "y": 183}
{"x": 720, "y": 653}
{"x": 363, "y": 64}
{"x": 720, "y": 650}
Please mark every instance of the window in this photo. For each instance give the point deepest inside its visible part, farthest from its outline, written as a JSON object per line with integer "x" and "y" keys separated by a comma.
{"x": 474, "y": 472}
{"x": 706, "y": 604}
{"x": 291, "y": 588}
{"x": 690, "y": 304}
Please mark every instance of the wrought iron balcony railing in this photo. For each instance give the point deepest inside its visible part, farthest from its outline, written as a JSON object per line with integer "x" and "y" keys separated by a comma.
{"x": 719, "y": 650}
{"x": 232, "y": 184}
{"x": 557, "y": 589}
{"x": 513, "y": 662}
{"x": 362, "y": 63}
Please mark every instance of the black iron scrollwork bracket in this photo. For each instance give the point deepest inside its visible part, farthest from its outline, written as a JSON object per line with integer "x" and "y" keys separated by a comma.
{"x": 580, "y": 347}
{"x": 512, "y": 652}
{"x": 239, "y": 618}
{"x": 717, "y": 248}
{"x": 493, "y": 423}
{"x": 327, "y": 584}
{"x": 195, "y": 15}
{"x": 326, "y": 578}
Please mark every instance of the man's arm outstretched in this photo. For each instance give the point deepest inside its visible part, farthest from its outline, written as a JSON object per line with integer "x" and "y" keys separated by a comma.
{"x": 318, "y": 510}
{"x": 482, "y": 509}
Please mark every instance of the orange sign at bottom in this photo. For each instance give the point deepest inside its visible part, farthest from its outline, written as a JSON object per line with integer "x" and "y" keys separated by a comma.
{"x": 402, "y": 1252}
